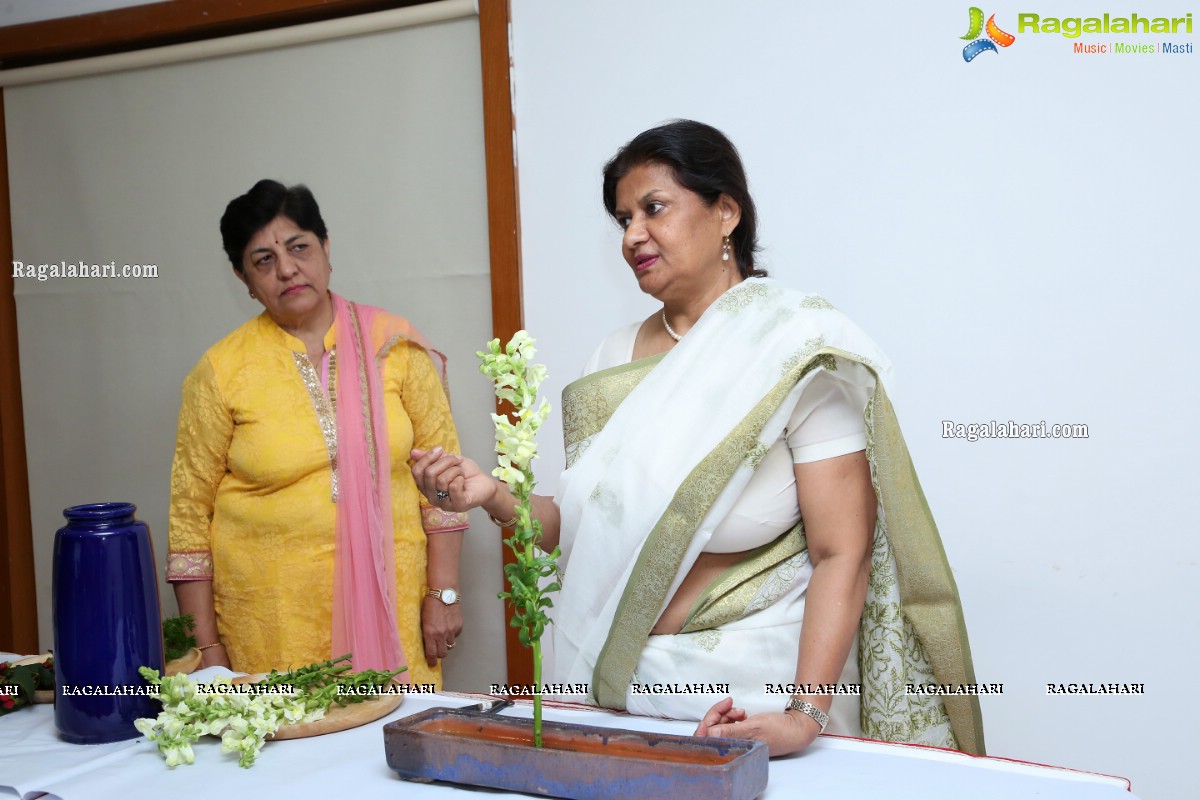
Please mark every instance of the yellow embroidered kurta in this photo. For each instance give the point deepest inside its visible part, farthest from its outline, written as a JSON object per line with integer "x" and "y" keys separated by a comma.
{"x": 251, "y": 493}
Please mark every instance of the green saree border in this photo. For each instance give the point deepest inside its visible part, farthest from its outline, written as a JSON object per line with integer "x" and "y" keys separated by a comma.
{"x": 727, "y": 597}
{"x": 929, "y": 594}
{"x": 588, "y": 403}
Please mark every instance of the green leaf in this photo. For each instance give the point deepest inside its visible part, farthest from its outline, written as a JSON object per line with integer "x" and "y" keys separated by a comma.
{"x": 176, "y": 638}
{"x": 24, "y": 679}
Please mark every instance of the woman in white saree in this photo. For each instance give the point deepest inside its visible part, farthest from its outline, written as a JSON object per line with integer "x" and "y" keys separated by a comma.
{"x": 739, "y": 515}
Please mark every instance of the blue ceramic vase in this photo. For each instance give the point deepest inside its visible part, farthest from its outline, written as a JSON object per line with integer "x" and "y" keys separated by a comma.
{"x": 106, "y": 623}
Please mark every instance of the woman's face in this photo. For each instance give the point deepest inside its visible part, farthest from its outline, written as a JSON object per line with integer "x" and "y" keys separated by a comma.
{"x": 287, "y": 269}
{"x": 672, "y": 240}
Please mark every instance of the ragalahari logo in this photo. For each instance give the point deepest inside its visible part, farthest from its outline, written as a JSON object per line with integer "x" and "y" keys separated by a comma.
{"x": 995, "y": 36}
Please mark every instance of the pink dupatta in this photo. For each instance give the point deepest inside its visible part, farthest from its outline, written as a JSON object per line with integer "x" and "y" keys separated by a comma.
{"x": 364, "y": 578}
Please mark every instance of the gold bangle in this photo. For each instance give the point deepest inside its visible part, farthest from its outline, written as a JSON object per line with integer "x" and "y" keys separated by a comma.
{"x": 508, "y": 524}
{"x": 214, "y": 644}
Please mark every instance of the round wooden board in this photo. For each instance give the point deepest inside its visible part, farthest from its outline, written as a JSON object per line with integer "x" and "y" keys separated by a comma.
{"x": 188, "y": 662}
{"x": 340, "y": 718}
{"x": 337, "y": 718}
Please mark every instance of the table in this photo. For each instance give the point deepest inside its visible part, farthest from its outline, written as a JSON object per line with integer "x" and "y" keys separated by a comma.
{"x": 33, "y": 760}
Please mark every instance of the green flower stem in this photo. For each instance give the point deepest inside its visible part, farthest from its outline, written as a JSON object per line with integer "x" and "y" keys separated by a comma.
{"x": 516, "y": 381}
{"x": 537, "y": 697}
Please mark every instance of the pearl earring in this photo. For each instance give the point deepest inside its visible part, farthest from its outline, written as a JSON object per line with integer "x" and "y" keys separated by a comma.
{"x": 725, "y": 249}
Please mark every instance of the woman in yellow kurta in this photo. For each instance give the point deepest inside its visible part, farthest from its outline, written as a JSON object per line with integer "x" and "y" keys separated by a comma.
{"x": 280, "y": 492}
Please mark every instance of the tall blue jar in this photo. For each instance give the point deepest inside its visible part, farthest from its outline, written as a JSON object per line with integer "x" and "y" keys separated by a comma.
{"x": 106, "y": 623}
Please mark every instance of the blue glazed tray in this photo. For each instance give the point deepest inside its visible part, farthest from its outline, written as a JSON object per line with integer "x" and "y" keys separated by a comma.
{"x": 576, "y": 761}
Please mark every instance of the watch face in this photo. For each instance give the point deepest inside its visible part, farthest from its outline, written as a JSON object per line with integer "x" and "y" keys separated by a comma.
{"x": 449, "y": 596}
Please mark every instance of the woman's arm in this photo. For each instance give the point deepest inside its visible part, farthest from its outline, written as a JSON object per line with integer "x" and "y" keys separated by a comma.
{"x": 201, "y": 448}
{"x": 441, "y": 624}
{"x": 428, "y": 411}
{"x": 195, "y": 598}
{"x": 470, "y": 487}
{"x": 837, "y": 503}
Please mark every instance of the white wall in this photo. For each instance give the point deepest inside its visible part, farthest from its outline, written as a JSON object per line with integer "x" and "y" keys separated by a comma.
{"x": 1017, "y": 232}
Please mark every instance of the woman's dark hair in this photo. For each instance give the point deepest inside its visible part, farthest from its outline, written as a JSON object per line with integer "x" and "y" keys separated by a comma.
{"x": 250, "y": 213}
{"x": 703, "y": 161}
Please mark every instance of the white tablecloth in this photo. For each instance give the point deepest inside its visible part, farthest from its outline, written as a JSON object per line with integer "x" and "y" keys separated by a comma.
{"x": 34, "y": 760}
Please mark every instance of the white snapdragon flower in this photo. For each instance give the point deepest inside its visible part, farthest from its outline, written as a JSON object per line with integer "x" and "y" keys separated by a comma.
{"x": 517, "y": 382}
{"x": 293, "y": 712}
{"x": 243, "y": 720}
{"x": 179, "y": 754}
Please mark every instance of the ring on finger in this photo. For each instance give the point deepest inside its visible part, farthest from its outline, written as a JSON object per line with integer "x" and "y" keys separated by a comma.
{"x": 442, "y": 495}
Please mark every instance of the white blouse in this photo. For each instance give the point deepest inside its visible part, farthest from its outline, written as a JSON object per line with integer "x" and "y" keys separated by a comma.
{"x": 827, "y": 422}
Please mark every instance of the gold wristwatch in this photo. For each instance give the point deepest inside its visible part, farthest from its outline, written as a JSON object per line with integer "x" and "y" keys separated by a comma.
{"x": 447, "y": 596}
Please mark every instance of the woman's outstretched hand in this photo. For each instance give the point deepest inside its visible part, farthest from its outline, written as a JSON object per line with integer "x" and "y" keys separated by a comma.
{"x": 451, "y": 482}
{"x": 784, "y": 732}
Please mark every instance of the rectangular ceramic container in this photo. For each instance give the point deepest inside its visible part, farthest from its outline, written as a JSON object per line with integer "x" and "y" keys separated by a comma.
{"x": 575, "y": 761}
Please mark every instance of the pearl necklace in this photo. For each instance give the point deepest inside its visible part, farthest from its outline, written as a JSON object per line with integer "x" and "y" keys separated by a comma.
{"x": 670, "y": 331}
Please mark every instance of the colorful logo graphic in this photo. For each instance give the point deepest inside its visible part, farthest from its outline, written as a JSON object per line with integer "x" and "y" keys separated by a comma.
{"x": 995, "y": 36}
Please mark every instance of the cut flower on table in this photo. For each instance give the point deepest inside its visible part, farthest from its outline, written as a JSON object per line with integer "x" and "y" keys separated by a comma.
{"x": 245, "y": 716}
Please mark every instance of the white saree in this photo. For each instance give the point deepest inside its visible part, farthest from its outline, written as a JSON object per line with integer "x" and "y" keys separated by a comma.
{"x": 659, "y": 450}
